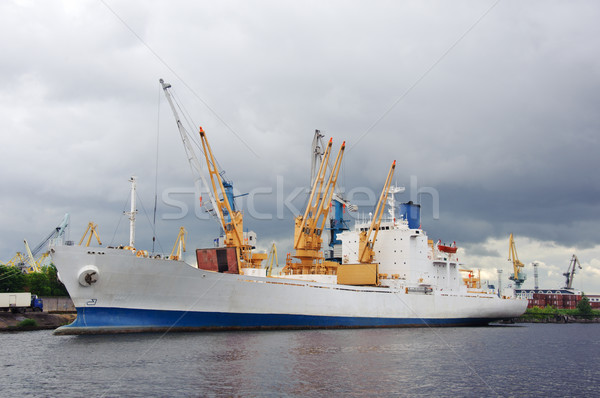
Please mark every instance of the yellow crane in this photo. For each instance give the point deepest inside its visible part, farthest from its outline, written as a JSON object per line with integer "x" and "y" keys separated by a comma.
{"x": 366, "y": 254}
{"x": 272, "y": 259}
{"x": 221, "y": 208}
{"x": 517, "y": 276}
{"x": 32, "y": 260}
{"x": 365, "y": 272}
{"x": 179, "y": 246}
{"x": 232, "y": 220}
{"x": 309, "y": 226}
{"x": 21, "y": 262}
{"x": 33, "y": 264}
{"x": 92, "y": 229}
{"x": 27, "y": 262}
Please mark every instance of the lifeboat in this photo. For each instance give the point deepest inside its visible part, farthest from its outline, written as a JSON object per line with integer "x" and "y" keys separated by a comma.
{"x": 447, "y": 249}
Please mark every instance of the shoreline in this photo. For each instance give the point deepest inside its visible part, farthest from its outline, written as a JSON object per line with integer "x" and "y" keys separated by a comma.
{"x": 556, "y": 319}
{"x": 44, "y": 320}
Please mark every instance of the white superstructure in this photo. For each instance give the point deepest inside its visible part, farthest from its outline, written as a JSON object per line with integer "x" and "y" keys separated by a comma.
{"x": 406, "y": 258}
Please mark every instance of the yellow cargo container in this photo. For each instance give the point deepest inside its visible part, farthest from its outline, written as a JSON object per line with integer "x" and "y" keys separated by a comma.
{"x": 357, "y": 274}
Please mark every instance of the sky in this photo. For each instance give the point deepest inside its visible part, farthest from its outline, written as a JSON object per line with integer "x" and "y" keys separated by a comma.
{"x": 489, "y": 108}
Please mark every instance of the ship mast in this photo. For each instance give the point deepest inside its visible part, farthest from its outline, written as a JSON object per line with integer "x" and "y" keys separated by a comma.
{"x": 132, "y": 213}
{"x": 391, "y": 201}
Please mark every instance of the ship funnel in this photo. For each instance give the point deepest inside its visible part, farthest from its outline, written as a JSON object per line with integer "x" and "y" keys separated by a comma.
{"x": 411, "y": 213}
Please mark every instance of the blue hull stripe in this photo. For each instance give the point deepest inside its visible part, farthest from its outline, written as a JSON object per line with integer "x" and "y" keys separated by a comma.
{"x": 103, "y": 320}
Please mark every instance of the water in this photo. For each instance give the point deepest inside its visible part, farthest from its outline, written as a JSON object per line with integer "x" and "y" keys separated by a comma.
{"x": 511, "y": 361}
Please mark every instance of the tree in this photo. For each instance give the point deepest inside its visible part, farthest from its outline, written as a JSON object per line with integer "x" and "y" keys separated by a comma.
{"x": 583, "y": 306}
{"x": 11, "y": 280}
{"x": 56, "y": 287}
{"x": 38, "y": 283}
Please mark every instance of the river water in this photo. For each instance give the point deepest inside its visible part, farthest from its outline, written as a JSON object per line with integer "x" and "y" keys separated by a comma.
{"x": 506, "y": 360}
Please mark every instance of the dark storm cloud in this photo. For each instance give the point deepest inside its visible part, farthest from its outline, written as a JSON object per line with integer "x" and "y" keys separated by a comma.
{"x": 504, "y": 127}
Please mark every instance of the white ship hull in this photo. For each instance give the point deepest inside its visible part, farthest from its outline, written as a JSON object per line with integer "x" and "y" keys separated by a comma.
{"x": 136, "y": 294}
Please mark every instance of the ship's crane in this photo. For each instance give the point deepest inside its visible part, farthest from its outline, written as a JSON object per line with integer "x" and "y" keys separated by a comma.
{"x": 232, "y": 220}
{"x": 340, "y": 204}
{"x": 92, "y": 230}
{"x": 272, "y": 259}
{"x": 179, "y": 246}
{"x": 196, "y": 166}
{"x": 366, "y": 254}
{"x": 573, "y": 264}
{"x": 518, "y": 276}
{"x": 309, "y": 226}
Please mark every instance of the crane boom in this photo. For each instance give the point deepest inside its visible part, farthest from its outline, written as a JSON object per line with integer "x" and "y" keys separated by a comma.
{"x": 517, "y": 276}
{"x": 195, "y": 164}
{"x": 232, "y": 220}
{"x": 179, "y": 246}
{"x": 92, "y": 229}
{"x": 272, "y": 259}
{"x": 308, "y": 236}
{"x": 309, "y": 226}
{"x": 57, "y": 232}
{"x": 571, "y": 272}
{"x": 308, "y": 220}
{"x": 33, "y": 266}
{"x": 366, "y": 254}
{"x": 32, "y": 258}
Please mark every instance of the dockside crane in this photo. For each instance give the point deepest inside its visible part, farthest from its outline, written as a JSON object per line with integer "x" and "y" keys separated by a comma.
{"x": 309, "y": 226}
{"x": 573, "y": 264}
{"x": 518, "y": 276}
{"x": 32, "y": 260}
{"x": 366, "y": 254}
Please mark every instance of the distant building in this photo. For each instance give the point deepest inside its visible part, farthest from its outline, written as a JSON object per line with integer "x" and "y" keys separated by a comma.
{"x": 559, "y": 298}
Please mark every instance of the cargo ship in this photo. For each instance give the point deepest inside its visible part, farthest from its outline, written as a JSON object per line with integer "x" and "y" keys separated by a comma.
{"x": 388, "y": 273}
{"x": 117, "y": 291}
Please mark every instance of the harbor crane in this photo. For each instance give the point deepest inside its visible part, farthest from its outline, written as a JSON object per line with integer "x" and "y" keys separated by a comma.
{"x": 573, "y": 264}
{"x": 32, "y": 260}
{"x": 309, "y": 226}
{"x": 518, "y": 276}
{"x": 366, "y": 254}
{"x": 34, "y": 265}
